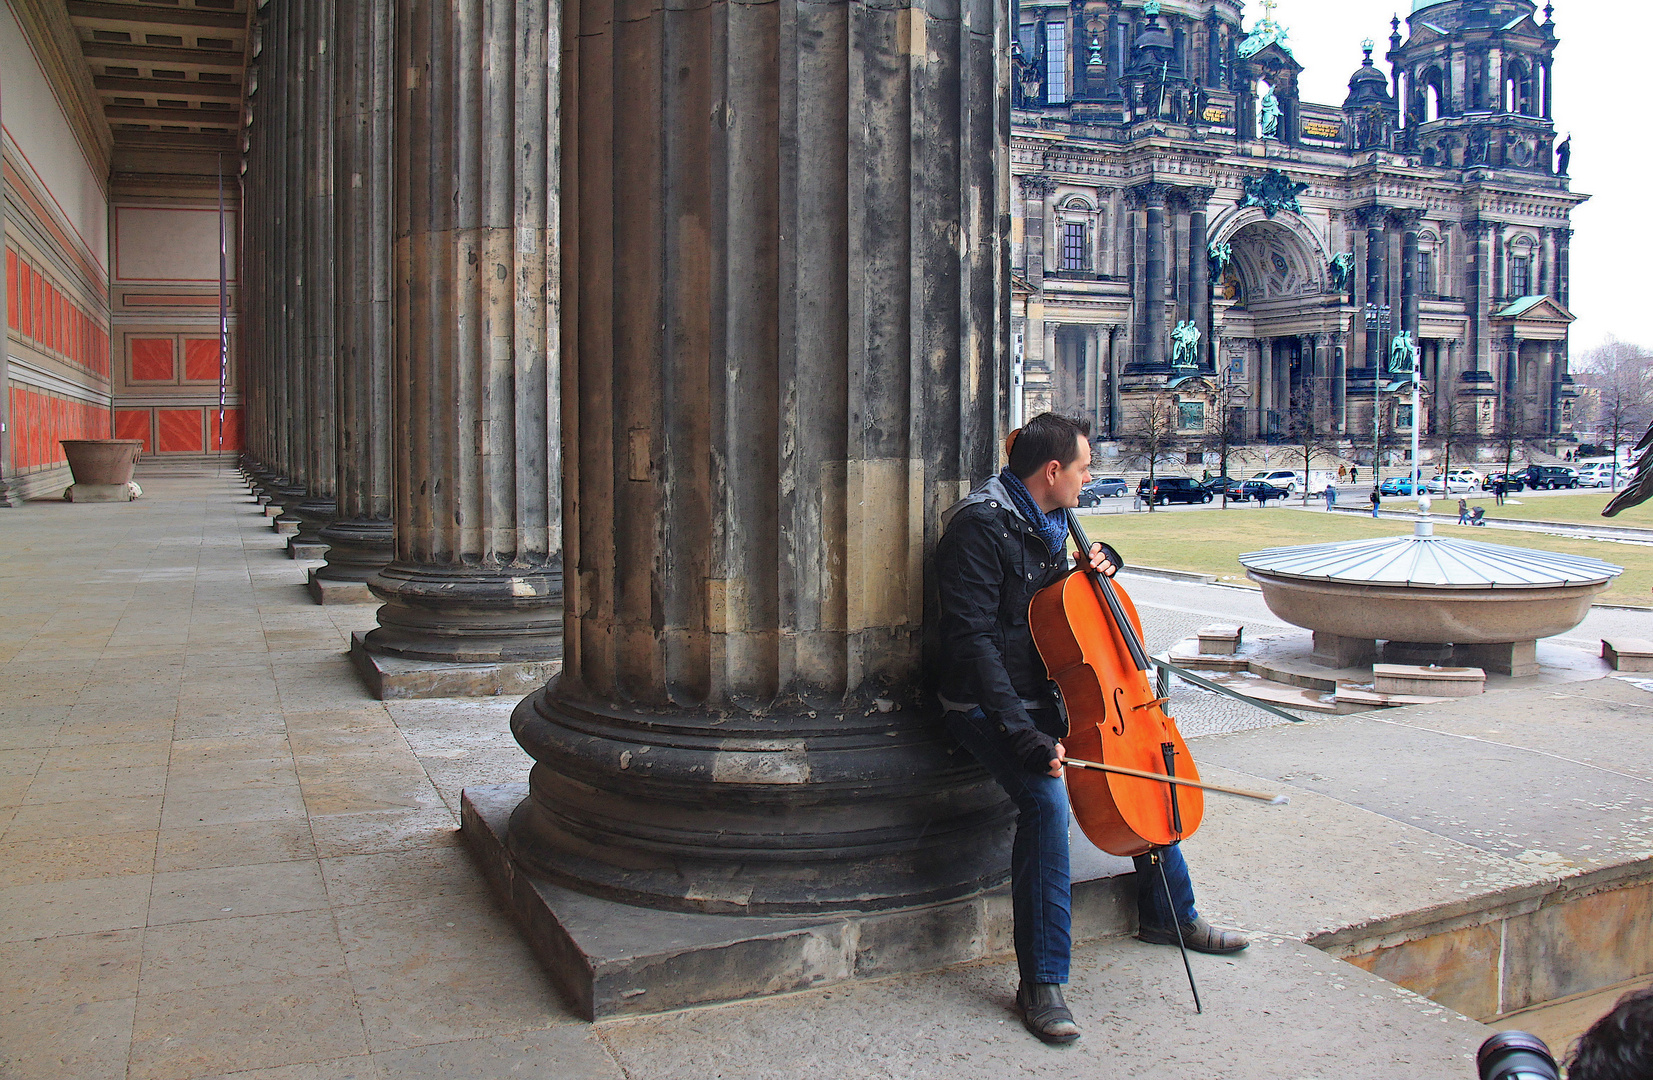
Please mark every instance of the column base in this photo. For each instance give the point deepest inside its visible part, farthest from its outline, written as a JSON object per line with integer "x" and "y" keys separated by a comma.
{"x": 393, "y": 677}
{"x": 284, "y": 526}
{"x": 327, "y": 591}
{"x": 300, "y": 548}
{"x": 612, "y": 959}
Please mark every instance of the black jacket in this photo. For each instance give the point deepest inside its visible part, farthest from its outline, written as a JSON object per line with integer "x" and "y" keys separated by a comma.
{"x": 989, "y": 563}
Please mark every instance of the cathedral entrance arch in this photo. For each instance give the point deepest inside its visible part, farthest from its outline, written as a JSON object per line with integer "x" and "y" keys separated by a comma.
{"x": 1272, "y": 258}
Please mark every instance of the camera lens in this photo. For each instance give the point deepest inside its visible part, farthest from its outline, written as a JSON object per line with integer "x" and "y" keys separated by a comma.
{"x": 1516, "y": 1055}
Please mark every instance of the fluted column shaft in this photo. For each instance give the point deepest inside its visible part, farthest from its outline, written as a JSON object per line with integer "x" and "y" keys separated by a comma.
{"x": 1199, "y": 276}
{"x": 292, "y": 178}
{"x": 1154, "y": 285}
{"x": 318, "y": 356}
{"x": 477, "y": 573}
{"x": 1377, "y": 248}
{"x": 1410, "y": 223}
{"x": 360, "y": 536}
{"x": 279, "y": 42}
{"x": 787, "y": 315}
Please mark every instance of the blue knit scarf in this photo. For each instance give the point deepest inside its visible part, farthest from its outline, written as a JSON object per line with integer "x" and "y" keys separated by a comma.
{"x": 1052, "y": 526}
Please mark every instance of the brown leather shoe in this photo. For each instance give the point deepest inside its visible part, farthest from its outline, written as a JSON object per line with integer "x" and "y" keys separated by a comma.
{"x": 1198, "y": 935}
{"x": 1045, "y": 1013}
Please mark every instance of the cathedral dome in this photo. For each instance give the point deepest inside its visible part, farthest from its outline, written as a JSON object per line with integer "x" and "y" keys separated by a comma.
{"x": 1368, "y": 85}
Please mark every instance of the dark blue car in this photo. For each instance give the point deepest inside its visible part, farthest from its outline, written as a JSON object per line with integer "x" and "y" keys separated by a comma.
{"x": 1104, "y": 487}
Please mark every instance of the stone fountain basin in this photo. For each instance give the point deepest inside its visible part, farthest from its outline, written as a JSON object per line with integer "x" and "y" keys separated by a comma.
{"x": 1459, "y": 616}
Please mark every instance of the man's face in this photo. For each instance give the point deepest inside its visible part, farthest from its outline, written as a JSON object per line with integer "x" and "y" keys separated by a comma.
{"x": 1076, "y": 475}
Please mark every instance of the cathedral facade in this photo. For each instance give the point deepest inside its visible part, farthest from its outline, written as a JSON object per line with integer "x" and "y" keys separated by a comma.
{"x": 1196, "y": 248}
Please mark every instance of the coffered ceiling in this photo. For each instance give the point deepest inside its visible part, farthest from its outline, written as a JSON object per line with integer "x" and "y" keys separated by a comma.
{"x": 169, "y": 74}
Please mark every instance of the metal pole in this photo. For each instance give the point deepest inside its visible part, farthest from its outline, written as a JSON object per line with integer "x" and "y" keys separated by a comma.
{"x": 223, "y": 307}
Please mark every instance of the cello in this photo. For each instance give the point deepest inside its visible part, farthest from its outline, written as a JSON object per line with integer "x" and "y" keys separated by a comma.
{"x": 1132, "y": 784}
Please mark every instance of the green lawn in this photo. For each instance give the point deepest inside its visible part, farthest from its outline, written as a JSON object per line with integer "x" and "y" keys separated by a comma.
{"x": 1211, "y": 542}
{"x": 1583, "y": 508}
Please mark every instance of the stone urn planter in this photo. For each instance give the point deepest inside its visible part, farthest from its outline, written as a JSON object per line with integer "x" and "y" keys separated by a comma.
{"x": 102, "y": 469}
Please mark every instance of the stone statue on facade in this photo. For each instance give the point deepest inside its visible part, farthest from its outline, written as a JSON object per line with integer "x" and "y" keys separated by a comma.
{"x": 1268, "y": 116}
{"x": 1564, "y": 155}
{"x": 1221, "y": 253}
{"x": 1185, "y": 346}
{"x": 1403, "y": 354}
{"x": 1343, "y": 272}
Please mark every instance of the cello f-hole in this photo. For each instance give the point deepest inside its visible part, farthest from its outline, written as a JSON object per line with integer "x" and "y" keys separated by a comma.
{"x": 1119, "y": 728}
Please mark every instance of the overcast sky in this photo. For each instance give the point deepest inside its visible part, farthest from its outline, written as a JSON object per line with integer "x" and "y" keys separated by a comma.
{"x": 1603, "y": 65}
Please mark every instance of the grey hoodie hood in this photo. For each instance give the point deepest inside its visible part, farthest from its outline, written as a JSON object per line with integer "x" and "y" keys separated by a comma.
{"x": 993, "y": 490}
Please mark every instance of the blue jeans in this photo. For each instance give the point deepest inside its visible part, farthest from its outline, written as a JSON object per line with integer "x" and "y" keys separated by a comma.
{"x": 1040, "y": 886}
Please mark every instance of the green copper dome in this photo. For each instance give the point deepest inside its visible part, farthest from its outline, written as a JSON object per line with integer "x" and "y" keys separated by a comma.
{"x": 1419, "y": 5}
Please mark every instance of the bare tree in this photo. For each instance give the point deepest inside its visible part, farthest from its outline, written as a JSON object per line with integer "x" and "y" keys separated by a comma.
{"x": 1223, "y": 432}
{"x": 1622, "y": 376}
{"x": 1150, "y": 430}
{"x": 1456, "y": 434}
{"x": 1305, "y": 432}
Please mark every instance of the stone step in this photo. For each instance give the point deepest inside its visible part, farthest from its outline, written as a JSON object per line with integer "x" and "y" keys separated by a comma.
{"x": 612, "y": 959}
{"x": 1371, "y": 699}
{"x": 1628, "y": 654}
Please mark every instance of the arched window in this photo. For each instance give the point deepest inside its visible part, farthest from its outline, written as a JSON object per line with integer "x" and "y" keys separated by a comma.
{"x": 1518, "y": 95}
{"x": 1432, "y": 95}
{"x": 1077, "y": 224}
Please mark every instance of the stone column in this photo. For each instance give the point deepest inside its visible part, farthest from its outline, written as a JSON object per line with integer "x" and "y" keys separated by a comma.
{"x": 1115, "y": 333}
{"x": 1564, "y": 266}
{"x": 473, "y": 598}
{"x": 277, "y": 75}
{"x": 1199, "y": 273}
{"x": 1372, "y": 218}
{"x": 1340, "y": 384}
{"x": 290, "y": 190}
{"x": 1265, "y": 386}
{"x": 359, "y": 539}
{"x": 1410, "y": 220}
{"x": 320, "y": 362}
{"x": 1479, "y": 235}
{"x": 1155, "y": 355}
{"x": 784, "y": 244}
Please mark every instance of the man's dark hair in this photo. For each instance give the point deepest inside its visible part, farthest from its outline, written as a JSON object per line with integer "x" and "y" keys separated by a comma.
{"x": 1619, "y": 1046}
{"x": 1046, "y": 438}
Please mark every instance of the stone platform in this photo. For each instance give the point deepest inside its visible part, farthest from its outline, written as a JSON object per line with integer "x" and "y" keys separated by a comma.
{"x": 220, "y": 856}
{"x": 611, "y": 959}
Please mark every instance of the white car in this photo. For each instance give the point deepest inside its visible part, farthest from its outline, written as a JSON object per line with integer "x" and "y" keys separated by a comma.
{"x": 1454, "y": 484}
{"x": 1601, "y": 475}
{"x": 1289, "y": 479}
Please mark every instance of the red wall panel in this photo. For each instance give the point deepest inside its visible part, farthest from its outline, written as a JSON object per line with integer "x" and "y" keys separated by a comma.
{"x": 201, "y": 359}
{"x": 134, "y": 424}
{"x": 11, "y": 288}
{"x": 232, "y": 429}
{"x": 178, "y": 430}
{"x": 152, "y": 360}
{"x": 40, "y": 419}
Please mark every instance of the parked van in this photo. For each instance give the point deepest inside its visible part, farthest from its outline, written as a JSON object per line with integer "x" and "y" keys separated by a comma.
{"x": 1549, "y": 476}
{"x": 1292, "y": 479}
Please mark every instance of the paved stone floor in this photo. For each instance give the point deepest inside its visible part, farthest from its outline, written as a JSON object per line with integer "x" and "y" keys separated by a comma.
{"x": 219, "y": 856}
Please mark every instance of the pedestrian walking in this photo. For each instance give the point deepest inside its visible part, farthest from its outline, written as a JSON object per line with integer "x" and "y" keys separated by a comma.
{"x": 1377, "y": 501}
{"x": 1498, "y": 491}
{"x": 1342, "y": 471}
{"x": 1354, "y": 474}
{"x": 1463, "y": 511}
{"x": 1331, "y": 498}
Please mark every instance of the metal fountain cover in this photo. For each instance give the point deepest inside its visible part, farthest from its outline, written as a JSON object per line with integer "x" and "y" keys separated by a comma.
{"x": 1427, "y": 561}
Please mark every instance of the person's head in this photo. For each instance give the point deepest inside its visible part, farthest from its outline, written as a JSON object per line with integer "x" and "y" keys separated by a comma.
{"x": 1619, "y": 1046}
{"x": 1052, "y": 455}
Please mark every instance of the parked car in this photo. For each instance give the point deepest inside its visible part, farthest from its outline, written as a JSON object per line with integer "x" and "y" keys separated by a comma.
{"x": 1246, "y": 490}
{"x": 1539, "y": 477}
{"x": 1289, "y": 479}
{"x": 1601, "y": 474}
{"x": 1105, "y": 487}
{"x": 1453, "y": 484}
{"x": 1170, "y": 489}
{"x": 1512, "y": 481}
{"x": 1397, "y": 485}
{"x": 1216, "y": 484}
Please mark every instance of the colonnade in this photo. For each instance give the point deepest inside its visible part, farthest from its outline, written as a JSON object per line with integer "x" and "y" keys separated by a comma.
{"x": 753, "y": 318}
